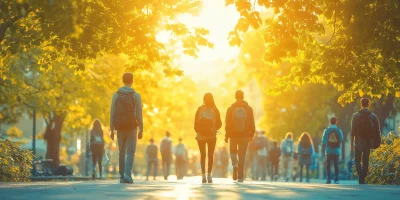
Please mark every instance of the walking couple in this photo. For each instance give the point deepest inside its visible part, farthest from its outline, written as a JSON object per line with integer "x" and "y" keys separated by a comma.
{"x": 239, "y": 128}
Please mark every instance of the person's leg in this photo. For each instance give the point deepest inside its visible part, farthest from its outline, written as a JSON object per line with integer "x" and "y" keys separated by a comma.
{"x": 357, "y": 162}
{"x": 242, "y": 156}
{"x": 100, "y": 161}
{"x": 202, "y": 148}
{"x": 131, "y": 140}
{"x": 211, "y": 149}
{"x": 263, "y": 167}
{"x": 285, "y": 161}
{"x": 301, "y": 173}
{"x": 94, "y": 161}
{"x": 155, "y": 169}
{"x": 122, "y": 151}
{"x": 365, "y": 158}
{"x": 308, "y": 173}
{"x": 169, "y": 160}
{"x": 289, "y": 169}
{"x": 328, "y": 166}
{"x": 149, "y": 163}
{"x": 233, "y": 150}
{"x": 276, "y": 171}
{"x": 336, "y": 163}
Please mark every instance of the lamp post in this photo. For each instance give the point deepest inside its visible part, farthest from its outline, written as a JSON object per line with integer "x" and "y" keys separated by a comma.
{"x": 34, "y": 132}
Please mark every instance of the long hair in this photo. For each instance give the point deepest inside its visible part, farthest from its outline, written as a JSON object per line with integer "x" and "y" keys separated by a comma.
{"x": 289, "y": 135}
{"x": 208, "y": 100}
{"x": 97, "y": 126}
{"x": 305, "y": 140}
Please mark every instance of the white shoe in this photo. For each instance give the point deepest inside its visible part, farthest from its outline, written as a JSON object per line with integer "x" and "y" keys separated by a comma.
{"x": 128, "y": 179}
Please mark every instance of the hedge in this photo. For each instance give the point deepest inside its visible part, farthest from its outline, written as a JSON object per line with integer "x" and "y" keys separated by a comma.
{"x": 15, "y": 163}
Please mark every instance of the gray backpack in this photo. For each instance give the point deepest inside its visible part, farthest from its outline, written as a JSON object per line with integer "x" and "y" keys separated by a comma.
{"x": 239, "y": 119}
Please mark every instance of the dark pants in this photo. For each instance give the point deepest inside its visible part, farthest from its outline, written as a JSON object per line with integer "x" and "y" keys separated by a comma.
{"x": 274, "y": 171}
{"x": 238, "y": 148}
{"x": 97, "y": 156}
{"x": 362, "y": 170}
{"x": 307, "y": 172}
{"x": 335, "y": 159}
{"x": 211, "y": 147}
{"x": 166, "y": 165}
{"x": 180, "y": 167}
{"x": 152, "y": 163}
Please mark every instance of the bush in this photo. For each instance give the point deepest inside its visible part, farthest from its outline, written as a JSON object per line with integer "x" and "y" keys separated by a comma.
{"x": 385, "y": 164}
{"x": 15, "y": 163}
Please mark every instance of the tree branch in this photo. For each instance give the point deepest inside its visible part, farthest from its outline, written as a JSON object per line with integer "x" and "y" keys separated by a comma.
{"x": 6, "y": 25}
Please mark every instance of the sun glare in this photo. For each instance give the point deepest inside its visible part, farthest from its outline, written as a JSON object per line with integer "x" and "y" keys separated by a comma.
{"x": 219, "y": 20}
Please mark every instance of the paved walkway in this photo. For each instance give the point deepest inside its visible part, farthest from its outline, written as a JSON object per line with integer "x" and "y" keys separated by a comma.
{"x": 190, "y": 188}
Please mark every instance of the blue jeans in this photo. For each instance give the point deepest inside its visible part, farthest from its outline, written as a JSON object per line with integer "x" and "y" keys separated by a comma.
{"x": 127, "y": 147}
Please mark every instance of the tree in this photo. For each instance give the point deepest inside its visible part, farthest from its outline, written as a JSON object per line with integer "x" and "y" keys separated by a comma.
{"x": 49, "y": 48}
{"x": 349, "y": 44}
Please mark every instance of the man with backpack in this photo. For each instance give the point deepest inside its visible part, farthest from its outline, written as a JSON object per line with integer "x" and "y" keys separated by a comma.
{"x": 180, "y": 159}
{"x": 126, "y": 118}
{"x": 331, "y": 140}
{"x": 287, "y": 149}
{"x": 240, "y": 128}
{"x": 152, "y": 159}
{"x": 365, "y": 135}
{"x": 166, "y": 154}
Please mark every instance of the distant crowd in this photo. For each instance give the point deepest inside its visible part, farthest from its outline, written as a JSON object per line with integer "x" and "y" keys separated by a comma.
{"x": 247, "y": 147}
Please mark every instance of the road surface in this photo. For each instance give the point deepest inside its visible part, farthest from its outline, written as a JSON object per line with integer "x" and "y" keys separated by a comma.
{"x": 191, "y": 188}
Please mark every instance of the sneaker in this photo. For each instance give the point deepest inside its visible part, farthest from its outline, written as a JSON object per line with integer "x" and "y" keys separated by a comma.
{"x": 287, "y": 179}
{"x": 209, "y": 179}
{"x": 336, "y": 182}
{"x": 240, "y": 180}
{"x": 328, "y": 182}
{"x": 121, "y": 180}
{"x": 128, "y": 179}
{"x": 204, "y": 179}
{"x": 235, "y": 173}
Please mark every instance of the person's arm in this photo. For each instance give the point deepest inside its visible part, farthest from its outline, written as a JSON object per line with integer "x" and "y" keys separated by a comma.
{"x": 228, "y": 123}
{"x": 195, "y": 120}
{"x": 252, "y": 123}
{"x": 353, "y": 130}
{"x": 112, "y": 111}
{"x": 376, "y": 123}
{"x": 219, "y": 122}
{"x": 139, "y": 113}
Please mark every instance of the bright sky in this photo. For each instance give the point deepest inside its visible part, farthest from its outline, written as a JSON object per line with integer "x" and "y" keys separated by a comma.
{"x": 212, "y": 64}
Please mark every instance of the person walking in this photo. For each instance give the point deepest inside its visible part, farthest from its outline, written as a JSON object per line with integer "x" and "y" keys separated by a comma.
{"x": 365, "y": 135}
{"x": 240, "y": 129}
{"x": 180, "y": 159}
{"x": 331, "y": 143}
{"x": 152, "y": 159}
{"x": 126, "y": 117}
{"x": 97, "y": 147}
{"x": 274, "y": 155}
{"x": 166, "y": 154}
{"x": 287, "y": 149}
{"x": 305, "y": 149}
{"x": 261, "y": 155}
{"x": 206, "y": 124}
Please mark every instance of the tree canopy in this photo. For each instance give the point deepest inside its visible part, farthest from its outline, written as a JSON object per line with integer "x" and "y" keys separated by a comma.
{"x": 352, "y": 45}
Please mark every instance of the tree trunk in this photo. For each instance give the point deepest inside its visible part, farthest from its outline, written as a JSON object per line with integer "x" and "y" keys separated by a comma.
{"x": 53, "y": 138}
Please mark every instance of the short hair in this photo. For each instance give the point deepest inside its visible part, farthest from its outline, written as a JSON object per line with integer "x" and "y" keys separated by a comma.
{"x": 364, "y": 102}
{"x": 239, "y": 95}
{"x": 289, "y": 135}
{"x": 180, "y": 139}
{"x": 168, "y": 133}
{"x": 127, "y": 78}
{"x": 333, "y": 120}
{"x": 275, "y": 143}
{"x": 151, "y": 140}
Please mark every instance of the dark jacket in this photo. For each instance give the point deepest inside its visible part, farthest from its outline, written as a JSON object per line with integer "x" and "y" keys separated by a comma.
{"x": 274, "y": 155}
{"x": 197, "y": 126}
{"x": 251, "y": 128}
{"x": 360, "y": 140}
